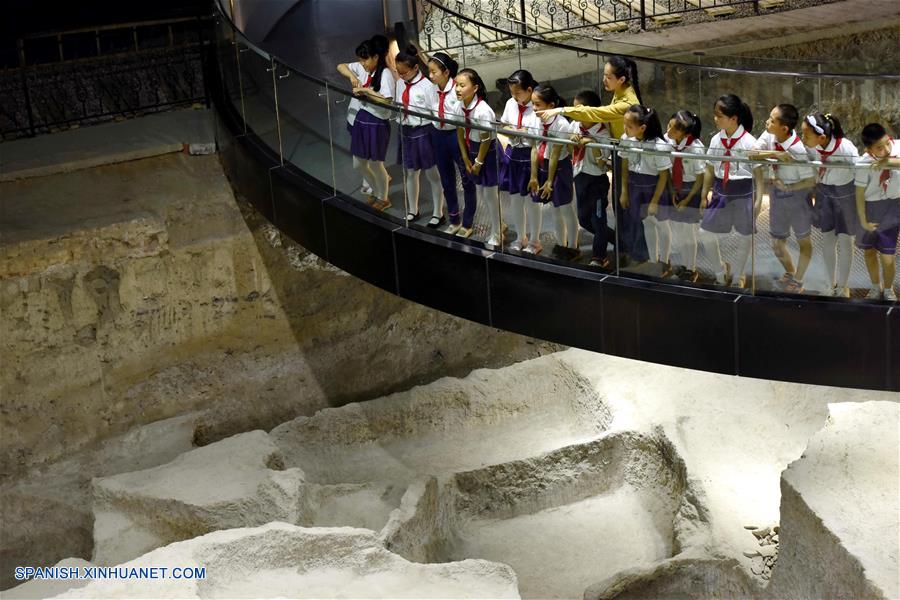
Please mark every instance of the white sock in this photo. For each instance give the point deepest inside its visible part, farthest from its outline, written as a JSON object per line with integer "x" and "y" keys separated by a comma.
{"x": 437, "y": 195}
{"x": 567, "y": 225}
{"x": 517, "y": 214}
{"x": 712, "y": 239}
{"x": 665, "y": 240}
{"x": 412, "y": 190}
{"x": 829, "y": 251}
{"x": 535, "y": 216}
{"x": 651, "y": 233}
{"x": 691, "y": 252}
{"x": 365, "y": 183}
{"x": 364, "y": 168}
{"x": 491, "y": 200}
{"x": 845, "y": 260}
{"x": 743, "y": 253}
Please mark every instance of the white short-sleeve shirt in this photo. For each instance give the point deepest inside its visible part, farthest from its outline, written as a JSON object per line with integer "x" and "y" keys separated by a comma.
{"x": 354, "y": 105}
{"x": 386, "y": 89}
{"x": 871, "y": 179}
{"x": 837, "y": 151}
{"x": 481, "y": 114}
{"x": 693, "y": 167}
{"x": 786, "y": 172}
{"x": 422, "y": 97}
{"x": 451, "y": 105}
{"x": 558, "y": 128}
{"x": 740, "y": 143}
{"x": 598, "y": 132}
{"x": 510, "y": 117}
{"x": 646, "y": 164}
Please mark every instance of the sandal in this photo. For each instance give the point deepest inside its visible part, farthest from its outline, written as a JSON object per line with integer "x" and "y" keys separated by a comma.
{"x": 793, "y": 286}
{"x": 371, "y": 200}
{"x": 382, "y": 205}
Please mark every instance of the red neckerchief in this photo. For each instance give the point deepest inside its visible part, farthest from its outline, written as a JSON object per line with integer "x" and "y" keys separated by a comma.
{"x": 578, "y": 152}
{"x": 467, "y": 112}
{"x": 368, "y": 80}
{"x": 781, "y": 148}
{"x": 522, "y": 110}
{"x": 543, "y": 147}
{"x": 678, "y": 164}
{"x": 885, "y": 176}
{"x": 824, "y": 154}
{"x": 409, "y": 85}
{"x": 729, "y": 144}
{"x": 441, "y": 97}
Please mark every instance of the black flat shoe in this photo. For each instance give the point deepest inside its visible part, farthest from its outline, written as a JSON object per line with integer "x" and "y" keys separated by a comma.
{"x": 410, "y": 217}
{"x": 435, "y": 222}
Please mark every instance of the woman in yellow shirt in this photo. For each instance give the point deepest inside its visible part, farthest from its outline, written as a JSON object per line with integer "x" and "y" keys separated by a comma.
{"x": 619, "y": 77}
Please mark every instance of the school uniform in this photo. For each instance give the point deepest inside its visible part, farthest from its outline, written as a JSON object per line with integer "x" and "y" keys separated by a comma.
{"x": 882, "y": 194}
{"x": 731, "y": 205}
{"x": 370, "y": 131}
{"x": 788, "y": 210}
{"x": 446, "y": 154}
{"x": 480, "y": 113}
{"x": 515, "y": 162}
{"x": 415, "y": 132}
{"x": 643, "y": 174}
{"x": 685, "y": 172}
{"x": 592, "y": 185}
{"x": 562, "y": 184}
{"x": 835, "y": 206}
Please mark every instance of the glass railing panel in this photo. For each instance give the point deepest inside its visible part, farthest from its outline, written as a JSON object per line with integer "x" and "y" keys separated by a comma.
{"x": 258, "y": 79}
{"x": 304, "y": 107}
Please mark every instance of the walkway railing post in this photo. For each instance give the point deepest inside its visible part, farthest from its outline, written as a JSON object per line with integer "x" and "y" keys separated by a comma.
{"x": 643, "y": 15}
{"x": 524, "y": 27}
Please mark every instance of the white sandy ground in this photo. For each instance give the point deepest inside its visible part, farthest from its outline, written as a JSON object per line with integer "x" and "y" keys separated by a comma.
{"x": 560, "y": 551}
{"x": 526, "y": 423}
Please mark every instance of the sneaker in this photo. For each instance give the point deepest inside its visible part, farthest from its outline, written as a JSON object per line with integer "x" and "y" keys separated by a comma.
{"x": 493, "y": 242}
{"x": 452, "y": 228}
{"x": 516, "y": 246}
{"x": 464, "y": 232}
{"x": 874, "y": 294}
{"x": 558, "y": 251}
{"x": 572, "y": 254}
{"x": 890, "y": 295}
{"x": 533, "y": 248}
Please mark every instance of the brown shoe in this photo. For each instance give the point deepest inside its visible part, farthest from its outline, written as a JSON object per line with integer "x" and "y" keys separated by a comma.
{"x": 382, "y": 205}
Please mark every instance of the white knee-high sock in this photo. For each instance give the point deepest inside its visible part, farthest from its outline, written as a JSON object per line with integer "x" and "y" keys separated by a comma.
{"x": 567, "y": 225}
{"x": 665, "y": 240}
{"x": 517, "y": 214}
{"x": 845, "y": 260}
{"x": 535, "y": 216}
{"x": 363, "y": 167}
{"x": 680, "y": 241}
{"x": 713, "y": 239}
{"x": 651, "y": 233}
{"x": 743, "y": 253}
{"x": 829, "y": 250}
{"x": 693, "y": 233}
{"x": 437, "y": 194}
{"x": 491, "y": 200}
{"x": 412, "y": 190}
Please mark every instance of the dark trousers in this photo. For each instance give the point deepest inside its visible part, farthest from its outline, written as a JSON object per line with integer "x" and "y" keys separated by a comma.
{"x": 449, "y": 160}
{"x": 592, "y": 198}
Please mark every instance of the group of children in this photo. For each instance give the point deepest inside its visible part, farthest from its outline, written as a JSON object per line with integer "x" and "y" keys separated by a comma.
{"x": 665, "y": 180}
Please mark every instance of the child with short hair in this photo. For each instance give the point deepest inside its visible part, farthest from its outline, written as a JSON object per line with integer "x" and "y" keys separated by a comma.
{"x": 834, "y": 211}
{"x": 789, "y": 188}
{"x": 878, "y": 208}
{"x": 591, "y": 182}
{"x": 683, "y": 135}
{"x": 644, "y": 199}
